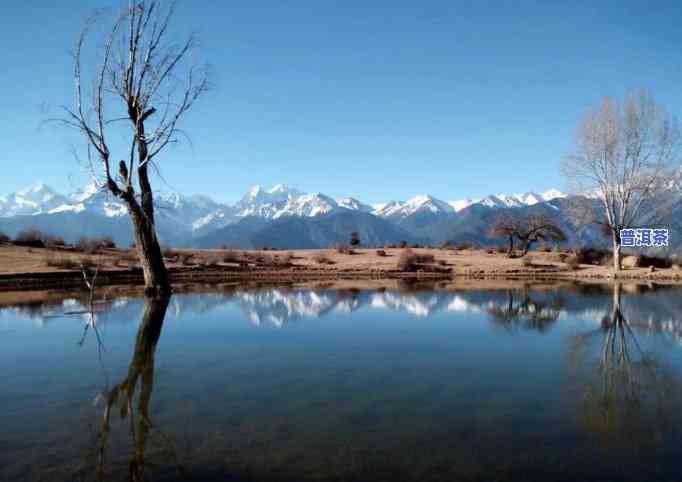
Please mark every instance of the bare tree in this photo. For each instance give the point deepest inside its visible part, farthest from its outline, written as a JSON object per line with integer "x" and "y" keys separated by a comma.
{"x": 527, "y": 229}
{"x": 538, "y": 228}
{"x": 506, "y": 226}
{"x": 141, "y": 79}
{"x": 622, "y": 155}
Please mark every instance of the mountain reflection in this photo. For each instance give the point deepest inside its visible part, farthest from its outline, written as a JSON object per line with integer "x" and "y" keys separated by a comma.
{"x": 651, "y": 309}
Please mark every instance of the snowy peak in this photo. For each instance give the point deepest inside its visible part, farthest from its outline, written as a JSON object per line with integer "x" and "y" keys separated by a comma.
{"x": 509, "y": 200}
{"x": 354, "y": 205}
{"x": 422, "y": 203}
{"x": 33, "y": 200}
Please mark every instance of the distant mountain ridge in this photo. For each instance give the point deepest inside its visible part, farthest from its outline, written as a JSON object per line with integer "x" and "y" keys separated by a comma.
{"x": 282, "y": 217}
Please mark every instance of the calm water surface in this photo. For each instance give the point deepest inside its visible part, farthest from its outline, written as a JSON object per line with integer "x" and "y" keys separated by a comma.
{"x": 313, "y": 385}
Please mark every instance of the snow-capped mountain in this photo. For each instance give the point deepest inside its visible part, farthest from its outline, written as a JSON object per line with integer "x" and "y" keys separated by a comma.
{"x": 508, "y": 200}
{"x": 418, "y": 204}
{"x": 37, "y": 199}
{"x": 92, "y": 211}
{"x": 354, "y": 205}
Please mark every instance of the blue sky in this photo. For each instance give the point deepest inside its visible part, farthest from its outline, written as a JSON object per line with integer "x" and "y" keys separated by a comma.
{"x": 379, "y": 100}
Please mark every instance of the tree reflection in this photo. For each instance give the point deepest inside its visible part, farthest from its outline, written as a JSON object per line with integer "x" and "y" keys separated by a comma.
{"x": 520, "y": 310}
{"x": 140, "y": 381}
{"x": 630, "y": 401}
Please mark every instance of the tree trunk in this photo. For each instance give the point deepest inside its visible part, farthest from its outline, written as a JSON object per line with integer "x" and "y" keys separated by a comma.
{"x": 156, "y": 281}
{"x": 524, "y": 248}
{"x": 510, "y": 250}
{"x": 616, "y": 252}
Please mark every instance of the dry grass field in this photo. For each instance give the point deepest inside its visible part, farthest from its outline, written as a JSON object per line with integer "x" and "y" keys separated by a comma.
{"x": 17, "y": 260}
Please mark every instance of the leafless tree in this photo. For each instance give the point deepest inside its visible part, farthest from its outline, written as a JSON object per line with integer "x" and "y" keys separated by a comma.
{"x": 142, "y": 80}
{"x": 506, "y": 226}
{"x": 527, "y": 229}
{"x": 623, "y": 152}
{"x": 536, "y": 228}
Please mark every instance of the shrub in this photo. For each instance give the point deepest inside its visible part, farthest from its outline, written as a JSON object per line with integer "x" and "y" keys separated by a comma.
{"x": 354, "y": 238}
{"x": 287, "y": 258}
{"x": 107, "y": 242}
{"x": 344, "y": 249}
{"x": 573, "y": 262}
{"x": 402, "y": 244}
{"x": 445, "y": 245}
{"x": 381, "y": 253}
{"x": 655, "y": 261}
{"x": 544, "y": 248}
{"x": 4, "y": 238}
{"x": 186, "y": 259}
{"x": 527, "y": 262}
{"x": 93, "y": 245}
{"x": 321, "y": 258}
{"x": 31, "y": 238}
{"x": 586, "y": 255}
{"x": 490, "y": 250}
{"x": 211, "y": 262}
{"x": 407, "y": 261}
{"x": 231, "y": 256}
{"x": 425, "y": 258}
{"x": 501, "y": 249}
{"x": 464, "y": 246}
{"x": 52, "y": 241}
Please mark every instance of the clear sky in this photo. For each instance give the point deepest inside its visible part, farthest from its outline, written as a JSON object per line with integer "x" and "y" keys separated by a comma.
{"x": 375, "y": 99}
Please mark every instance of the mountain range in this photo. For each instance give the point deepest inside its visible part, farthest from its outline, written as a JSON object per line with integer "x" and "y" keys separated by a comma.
{"x": 280, "y": 217}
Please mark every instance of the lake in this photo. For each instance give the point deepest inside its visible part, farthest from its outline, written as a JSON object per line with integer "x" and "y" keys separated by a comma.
{"x": 405, "y": 382}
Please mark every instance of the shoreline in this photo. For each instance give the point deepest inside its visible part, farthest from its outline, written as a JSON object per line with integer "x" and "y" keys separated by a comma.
{"x": 74, "y": 280}
{"x": 26, "y": 269}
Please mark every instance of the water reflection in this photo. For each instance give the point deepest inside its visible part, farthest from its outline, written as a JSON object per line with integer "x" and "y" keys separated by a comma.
{"x": 629, "y": 394}
{"x": 122, "y": 395}
{"x": 521, "y": 310}
{"x": 409, "y": 382}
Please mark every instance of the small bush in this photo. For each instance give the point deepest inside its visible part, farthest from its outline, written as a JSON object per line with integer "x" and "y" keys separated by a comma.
{"x": 655, "y": 261}
{"x": 544, "y": 248}
{"x": 527, "y": 262}
{"x": 501, "y": 249}
{"x": 464, "y": 246}
{"x": 94, "y": 245}
{"x": 321, "y": 258}
{"x": 381, "y": 253}
{"x": 573, "y": 262}
{"x": 445, "y": 245}
{"x": 344, "y": 249}
{"x": 425, "y": 258}
{"x": 596, "y": 256}
{"x": 231, "y": 256}
{"x": 212, "y": 262}
{"x": 407, "y": 261}
{"x": 288, "y": 258}
{"x": 31, "y": 238}
{"x": 4, "y": 238}
{"x": 490, "y": 250}
{"x": 53, "y": 241}
{"x": 402, "y": 244}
